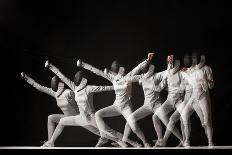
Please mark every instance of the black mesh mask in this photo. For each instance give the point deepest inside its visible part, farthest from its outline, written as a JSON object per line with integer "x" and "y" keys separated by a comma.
{"x": 54, "y": 83}
{"x": 78, "y": 77}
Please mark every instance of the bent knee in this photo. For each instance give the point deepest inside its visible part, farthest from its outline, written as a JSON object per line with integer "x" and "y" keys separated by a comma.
{"x": 62, "y": 121}
{"x": 184, "y": 116}
{"x": 154, "y": 116}
{"x": 131, "y": 119}
{"x": 173, "y": 119}
{"x": 98, "y": 114}
{"x": 51, "y": 118}
{"x": 159, "y": 112}
{"x": 206, "y": 123}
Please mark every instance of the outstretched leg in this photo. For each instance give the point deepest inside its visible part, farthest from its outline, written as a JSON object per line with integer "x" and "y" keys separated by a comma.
{"x": 157, "y": 126}
{"x": 207, "y": 124}
{"x": 92, "y": 126}
{"x": 156, "y": 121}
{"x": 103, "y": 138}
{"x": 170, "y": 127}
{"x": 182, "y": 130}
{"x": 132, "y": 119}
{"x": 127, "y": 132}
{"x": 173, "y": 119}
{"x": 51, "y": 123}
{"x": 109, "y": 111}
{"x": 65, "y": 121}
{"x": 185, "y": 117}
{"x": 162, "y": 113}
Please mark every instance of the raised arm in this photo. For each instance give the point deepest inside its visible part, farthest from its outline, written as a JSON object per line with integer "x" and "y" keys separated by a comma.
{"x": 94, "y": 70}
{"x": 96, "y": 89}
{"x": 137, "y": 69}
{"x": 37, "y": 86}
{"x": 55, "y": 70}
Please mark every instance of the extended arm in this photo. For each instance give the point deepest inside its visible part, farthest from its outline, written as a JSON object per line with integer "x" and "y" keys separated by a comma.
{"x": 93, "y": 69}
{"x": 37, "y": 86}
{"x": 96, "y": 89}
{"x": 60, "y": 75}
{"x": 135, "y": 78}
{"x": 137, "y": 69}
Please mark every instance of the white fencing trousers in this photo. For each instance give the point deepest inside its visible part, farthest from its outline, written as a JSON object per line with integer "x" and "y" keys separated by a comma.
{"x": 143, "y": 111}
{"x": 176, "y": 115}
{"x": 140, "y": 113}
{"x": 172, "y": 103}
{"x": 199, "y": 102}
{"x": 51, "y": 123}
{"x": 111, "y": 111}
{"x": 79, "y": 120}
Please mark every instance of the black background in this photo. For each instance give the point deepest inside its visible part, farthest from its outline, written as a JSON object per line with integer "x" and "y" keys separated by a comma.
{"x": 99, "y": 32}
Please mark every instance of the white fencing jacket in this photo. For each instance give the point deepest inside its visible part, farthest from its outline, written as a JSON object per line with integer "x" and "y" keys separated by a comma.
{"x": 83, "y": 93}
{"x": 201, "y": 79}
{"x": 187, "y": 86}
{"x": 65, "y": 97}
{"x": 122, "y": 84}
{"x": 151, "y": 84}
{"x": 174, "y": 82}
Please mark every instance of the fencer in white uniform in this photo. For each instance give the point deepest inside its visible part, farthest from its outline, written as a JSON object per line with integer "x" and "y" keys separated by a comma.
{"x": 84, "y": 99}
{"x": 201, "y": 79}
{"x": 174, "y": 98}
{"x": 65, "y": 99}
{"x": 152, "y": 86}
{"x": 188, "y": 92}
{"x": 123, "y": 86}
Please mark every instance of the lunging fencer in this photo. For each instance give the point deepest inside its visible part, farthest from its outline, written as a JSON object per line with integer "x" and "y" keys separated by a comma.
{"x": 122, "y": 105}
{"x": 152, "y": 86}
{"x": 174, "y": 98}
{"x": 65, "y": 99}
{"x": 84, "y": 99}
{"x": 188, "y": 92}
